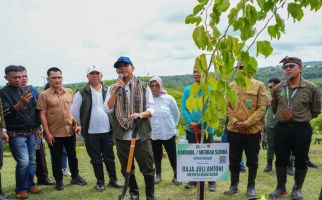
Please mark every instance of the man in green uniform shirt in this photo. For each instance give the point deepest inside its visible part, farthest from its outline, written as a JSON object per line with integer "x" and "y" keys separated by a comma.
{"x": 295, "y": 101}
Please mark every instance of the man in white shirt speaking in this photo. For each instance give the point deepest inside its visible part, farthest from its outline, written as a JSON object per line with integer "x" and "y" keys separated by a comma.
{"x": 89, "y": 111}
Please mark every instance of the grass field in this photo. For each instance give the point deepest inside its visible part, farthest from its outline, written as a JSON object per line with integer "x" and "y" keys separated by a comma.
{"x": 265, "y": 182}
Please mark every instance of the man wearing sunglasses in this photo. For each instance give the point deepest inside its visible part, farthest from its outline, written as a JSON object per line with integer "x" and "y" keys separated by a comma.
{"x": 244, "y": 130}
{"x": 295, "y": 101}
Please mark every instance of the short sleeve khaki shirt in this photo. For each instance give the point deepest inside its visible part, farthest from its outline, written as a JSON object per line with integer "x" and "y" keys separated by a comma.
{"x": 58, "y": 111}
{"x": 305, "y": 104}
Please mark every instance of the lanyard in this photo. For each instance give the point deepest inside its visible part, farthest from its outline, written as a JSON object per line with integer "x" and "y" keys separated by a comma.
{"x": 289, "y": 98}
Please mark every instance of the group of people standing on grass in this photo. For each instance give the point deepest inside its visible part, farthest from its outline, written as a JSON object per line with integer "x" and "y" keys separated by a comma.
{"x": 104, "y": 116}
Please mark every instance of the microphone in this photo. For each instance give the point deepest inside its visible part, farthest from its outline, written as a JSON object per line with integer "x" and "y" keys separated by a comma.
{"x": 120, "y": 91}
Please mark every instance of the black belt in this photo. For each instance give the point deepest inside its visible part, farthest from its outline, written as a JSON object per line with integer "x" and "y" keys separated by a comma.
{"x": 16, "y": 133}
{"x": 292, "y": 124}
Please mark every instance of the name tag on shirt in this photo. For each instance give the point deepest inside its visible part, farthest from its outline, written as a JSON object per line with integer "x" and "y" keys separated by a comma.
{"x": 248, "y": 103}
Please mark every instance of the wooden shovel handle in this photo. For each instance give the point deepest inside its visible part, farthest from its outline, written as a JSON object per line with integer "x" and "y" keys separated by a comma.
{"x": 131, "y": 155}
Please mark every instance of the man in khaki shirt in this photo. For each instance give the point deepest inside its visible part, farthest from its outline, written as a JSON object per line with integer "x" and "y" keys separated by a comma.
{"x": 295, "y": 101}
{"x": 244, "y": 131}
{"x": 59, "y": 127}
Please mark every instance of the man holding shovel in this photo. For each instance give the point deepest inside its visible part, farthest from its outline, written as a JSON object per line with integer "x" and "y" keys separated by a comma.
{"x": 128, "y": 100}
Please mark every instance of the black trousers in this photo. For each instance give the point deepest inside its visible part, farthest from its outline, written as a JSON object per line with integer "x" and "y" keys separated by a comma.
{"x": 170, "y": 147}
{"x": 293, "y": 138}
{"x": 41, "y": 168}
{"x": 100, "y": 148}
{"x": 56, "y": 154}
{"x": 239, "y": 142}
{"x": 143, "y": 155}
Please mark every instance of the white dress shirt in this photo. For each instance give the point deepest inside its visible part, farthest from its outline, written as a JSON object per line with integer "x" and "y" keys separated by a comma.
{"x": 99, "y": 122}
{"x": 149, "y": 105}
{"x": 165, "y": 118}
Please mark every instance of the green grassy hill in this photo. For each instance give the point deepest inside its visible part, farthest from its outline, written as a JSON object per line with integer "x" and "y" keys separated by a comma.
{"x": 311, "y": 71}
{"x": 175, "y": 84}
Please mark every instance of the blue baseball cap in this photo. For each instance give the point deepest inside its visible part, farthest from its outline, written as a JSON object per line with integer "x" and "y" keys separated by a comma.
{"x": 122, "y": 59}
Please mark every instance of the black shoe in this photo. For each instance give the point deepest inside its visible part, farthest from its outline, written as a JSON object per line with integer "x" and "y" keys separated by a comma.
{"x": 59, "y": 185}
{"x": 134, "y": 196}
{"x": 234, "y": 179}
{"x": 149, "y": 187}
{"x": 151, "y": 198}
{"x": 268, "y": 168}
{"x": 296, "y": 193}
{"x": 157, "y": 178}
{"x": 212, "y": 186}
{"x": 100, "y": 186}
{"x": 312, "y": 165}
{"x": 78, "y": 180}
{"x": 190, "y": 185}
{"x": 176, "y": 182}
{"x": 281, "y": 176}
{"x": 299, "y": 180}
{"x": 115, "y": 184}
{"x": 279, "y": 192}
{"x": 232, "y": 190}
{"x": 251, "y": 192}
{"x": 252, "y": 173}
{"x": 45, "y": 181}
{"x": 243, "y": 170}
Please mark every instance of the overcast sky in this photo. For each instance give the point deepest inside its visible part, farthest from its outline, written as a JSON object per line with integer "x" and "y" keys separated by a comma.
{"x": 76, "y": 34}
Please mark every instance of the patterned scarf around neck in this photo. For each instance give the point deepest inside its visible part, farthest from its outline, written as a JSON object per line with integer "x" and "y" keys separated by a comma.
{"x": 123, "y": 108}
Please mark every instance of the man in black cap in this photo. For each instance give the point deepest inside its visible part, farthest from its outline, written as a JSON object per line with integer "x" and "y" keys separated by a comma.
{"x": 295, "y": 101}
{"x": 130, "y": 101}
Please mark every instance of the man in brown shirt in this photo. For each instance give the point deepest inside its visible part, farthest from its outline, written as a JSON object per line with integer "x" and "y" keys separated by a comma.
{"x": 295, "y": 101}
{"x": 59, "y": 127}
{"x": 244, "y": 131}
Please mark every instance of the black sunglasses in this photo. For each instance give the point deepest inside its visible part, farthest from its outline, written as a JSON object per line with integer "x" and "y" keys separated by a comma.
{"x": 239, "y": 67}
{"x": 291, "y": 66}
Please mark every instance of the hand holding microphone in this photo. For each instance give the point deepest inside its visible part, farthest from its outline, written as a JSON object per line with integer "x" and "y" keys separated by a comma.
{"x": 120, "y": 84}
